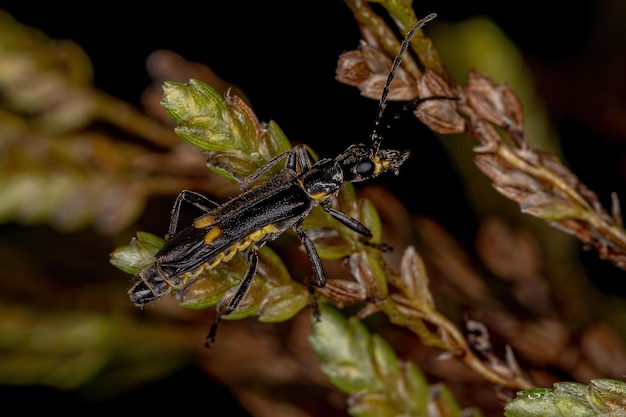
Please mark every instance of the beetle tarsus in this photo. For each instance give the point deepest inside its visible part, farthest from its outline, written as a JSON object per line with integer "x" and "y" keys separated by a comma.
{"x": 210, "y": 338}
{"x": 315, "y": 308}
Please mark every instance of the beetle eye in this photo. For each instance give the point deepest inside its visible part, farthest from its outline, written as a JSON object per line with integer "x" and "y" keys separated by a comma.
{"x": 364, "y": 168}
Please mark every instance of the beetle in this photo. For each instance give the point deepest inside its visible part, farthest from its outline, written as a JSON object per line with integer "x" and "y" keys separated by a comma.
{"x": 263, "y": 211}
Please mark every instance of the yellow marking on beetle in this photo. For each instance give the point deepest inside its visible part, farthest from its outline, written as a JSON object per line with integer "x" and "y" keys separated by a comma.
{"x": 212, "y": 234}
{"x": 229, "y": 252}
{"x": 379, "y": 166}
{"x": 162, "y": 275}
{"x": 320, "y": 195}
{"x": 204, "y": 221}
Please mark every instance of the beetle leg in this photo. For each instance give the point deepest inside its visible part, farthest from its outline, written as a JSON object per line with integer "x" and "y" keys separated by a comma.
{"x": 301, "y": 159}
{"x": 358, "y": 227}
{"x": 246, "y": 181}
{"x": 314, "y": 306}
{"x": 298, "y": 160}
{"x": 190, "y": 197}
{"x": 383, "y": 247}
{"x": 316, "y": 265}
{"x": 215, "y": 162}
{"x": 348, "y": 221}
{"x": 259, "y": 172}
{"x": 242, "y": 290}
{"x": 314, "y": 258}
{"x": 416, "y": 102}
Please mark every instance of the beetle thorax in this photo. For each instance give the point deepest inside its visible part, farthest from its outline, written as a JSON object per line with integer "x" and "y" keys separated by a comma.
{"x": 324, "y": 181}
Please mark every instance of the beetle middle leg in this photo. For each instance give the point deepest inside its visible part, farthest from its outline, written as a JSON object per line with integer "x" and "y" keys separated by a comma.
{"x": 319, "y": 279}
{"x": 196, "y": 200}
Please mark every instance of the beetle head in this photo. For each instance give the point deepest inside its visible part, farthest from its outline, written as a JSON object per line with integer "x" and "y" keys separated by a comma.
{"x": 360, "y": 162}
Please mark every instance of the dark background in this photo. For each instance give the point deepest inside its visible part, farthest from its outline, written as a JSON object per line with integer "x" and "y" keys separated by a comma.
{"x": 283, "y": 54}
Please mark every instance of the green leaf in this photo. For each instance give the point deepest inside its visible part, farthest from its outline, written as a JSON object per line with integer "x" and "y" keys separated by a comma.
{"x": 342, "y": 345}
{"x": 608, "y": 395}
{"x": 385, "y": 360}
{"x": 414, "y": 390}
{"x": 282, "y": 303}
{"x": 275, "y": 141}
{"x": 224, "y": 126}
{"x": 602, "y": 397}
{"x": 285, "y": 297}
{"x": 201, "y": 114}
{"x": 273, "y": 296}
{"x": 366, "y": 367}
{"x": 372, "y": 405}
{"x": 213, "y": 284}
{"x": 138, "y": 254}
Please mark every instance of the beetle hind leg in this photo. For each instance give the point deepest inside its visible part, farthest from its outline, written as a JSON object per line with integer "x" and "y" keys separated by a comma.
{"x": 223, "y": 308}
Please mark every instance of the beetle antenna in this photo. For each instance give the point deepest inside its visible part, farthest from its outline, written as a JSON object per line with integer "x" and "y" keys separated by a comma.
{"x": 382, "y": 104}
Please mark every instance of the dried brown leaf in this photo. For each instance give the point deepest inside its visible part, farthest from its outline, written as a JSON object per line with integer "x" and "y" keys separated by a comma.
{"x": 343, "y": 292}
{"x": 440, "y": 115}
{"x": 368, "y": 68}
{"x": 414, "y": 281}
{"x": 548, "y": 190}
{"x": 368, "y": 272}
{"x": 496, "y": 103}
{"x": 534, "y": 196}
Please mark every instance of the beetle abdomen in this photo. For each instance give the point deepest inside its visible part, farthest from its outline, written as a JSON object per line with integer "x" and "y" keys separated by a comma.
{"x": 160, "y": 278}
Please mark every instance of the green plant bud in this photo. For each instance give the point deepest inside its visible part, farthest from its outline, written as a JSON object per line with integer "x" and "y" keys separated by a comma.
{"x": 201, "y": 114}
{"x": 138, "y": 254}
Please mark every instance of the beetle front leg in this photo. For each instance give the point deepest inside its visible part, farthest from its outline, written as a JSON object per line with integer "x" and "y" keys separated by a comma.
{"x": 301, "y": 159}
{"x": 348, "y": 221}
{"x": 242, "y": 290}
{"x": 213, "y": 161}
{"x": 356, "y": 226}
{"x": 298, "y": 160}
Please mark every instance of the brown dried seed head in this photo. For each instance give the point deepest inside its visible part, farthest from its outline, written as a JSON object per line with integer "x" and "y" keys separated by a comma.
{"x": 494, "y": 102}
{"x": 368, "y": 68}
{"x": 439, "y": 115}
{"x": 344, "y": 292}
